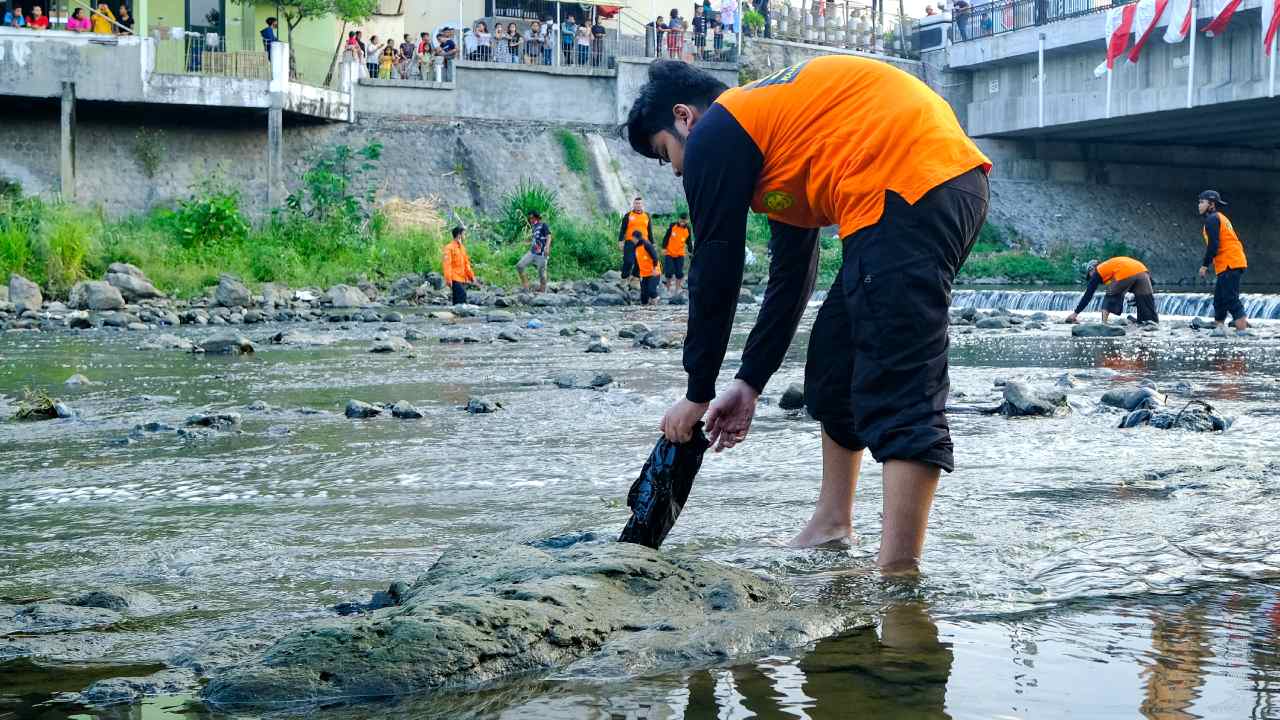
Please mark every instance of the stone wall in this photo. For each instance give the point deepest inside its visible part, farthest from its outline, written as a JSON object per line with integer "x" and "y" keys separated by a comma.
{"x": 761, "y": 57}
{"x": 464, "y": 164}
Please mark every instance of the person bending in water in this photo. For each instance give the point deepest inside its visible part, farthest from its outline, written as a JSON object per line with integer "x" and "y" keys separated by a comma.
{"x": 1224, "y": 252}
{"x": 816, "y": 145}
{"x": 1121, "y": 275}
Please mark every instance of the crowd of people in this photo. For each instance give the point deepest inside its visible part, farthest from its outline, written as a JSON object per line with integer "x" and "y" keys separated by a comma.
{"x": 100, "y": 20}
{"x": 643, "y": 267}
{"x": 699, "y": 38}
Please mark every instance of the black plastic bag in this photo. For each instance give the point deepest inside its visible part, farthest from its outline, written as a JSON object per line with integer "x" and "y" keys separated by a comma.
{"x": 658, "y": 495}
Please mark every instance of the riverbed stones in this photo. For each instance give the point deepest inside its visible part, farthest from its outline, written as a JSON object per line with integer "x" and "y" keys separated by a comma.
{"x": 95, "y": 295}
{"x": 481, "y": 614}
{"x": 345, "y": 296}
{"x": 499, "y": 316}
{"x": 1194, "y": 417}
{"x": 302, "y": 337}
{"x": 609, "y": 299}
{"x": 510, "y": 336}
{"x": 599, "y": 344}
{"x": 226, "y": 344}
{"x": 133, "y": 287}
{"x": 634, "y": 330}
{"x": 1020, "y": 399}
{"x": 1096, "y": 330}
{"x": 361, "y": 410}
{"x": 482, "y": 406}
{"x": 166, "y": 341}
{"x": 792, "y": 398}
{"x": 24, "y": 294}
{"x": 114, "y": 598}
{"x": 1133, "y": 397}
{"x": 992, "y": 323}
{"x": 1199, "y": 323}
{"x": 745, "y": 297}
{"x": 215, "y": 420}
{"x": 392, "y": 344}
{"x": 231, "y": 292}
{"x": 405, "y": 287}
{"x": 405, "y": 411}
{"x": 122, "y": 690}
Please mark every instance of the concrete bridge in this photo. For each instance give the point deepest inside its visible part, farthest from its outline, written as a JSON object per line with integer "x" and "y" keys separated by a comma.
{"x": 1071, "y": 170}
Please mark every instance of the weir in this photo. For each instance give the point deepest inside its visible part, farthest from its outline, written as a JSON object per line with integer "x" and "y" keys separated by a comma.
{"x": 1260, "y": 306}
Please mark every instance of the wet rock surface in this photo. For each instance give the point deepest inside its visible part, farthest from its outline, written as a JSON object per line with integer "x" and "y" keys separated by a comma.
{"x": 1096, "y": 330}
{"x": 482, "y": 614}
{"x": 1021, "y": 399}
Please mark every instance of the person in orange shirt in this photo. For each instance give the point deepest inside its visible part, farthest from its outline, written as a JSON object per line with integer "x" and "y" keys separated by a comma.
{"x": 457, "y": 267}
{"x": 674, "y": 248}
{"x": 649, "y": 267}
{"x": 1121, "y": 275}
{"x": 836, "y": 140}
{"x": 1224, "y": 252}
{"x": 635, "y": 220}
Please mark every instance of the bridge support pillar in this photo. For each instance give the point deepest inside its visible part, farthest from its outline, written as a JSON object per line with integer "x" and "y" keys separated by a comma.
{"x": 67, "y": 166}
{"x": 275, "y": 124}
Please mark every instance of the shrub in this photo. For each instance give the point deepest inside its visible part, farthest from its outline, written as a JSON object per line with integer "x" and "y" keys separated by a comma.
{"x": 338, "y": 188}
{"x": 212, "y": 215}
{"x": 529, "y": 196}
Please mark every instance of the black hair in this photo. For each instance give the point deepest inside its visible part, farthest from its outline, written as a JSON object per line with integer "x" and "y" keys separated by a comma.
{"x": 637, "y": 198}
{"x": 671, "y": 83}
{"x": 684, "y": 216}
{"x": 271, "y": 20}
{"x": 458, "y": 230}
{"x": 535, "y": 214}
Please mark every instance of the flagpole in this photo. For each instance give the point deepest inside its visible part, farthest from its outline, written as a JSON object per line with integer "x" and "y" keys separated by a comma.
{"x": 1040, "y": 59}
{"x": 1191, "y": 58}
{"x": 1109, "y": 73}
{"x": 1275, "y": 48}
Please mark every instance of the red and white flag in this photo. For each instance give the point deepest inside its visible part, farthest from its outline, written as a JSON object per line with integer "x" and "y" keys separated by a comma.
{"x": 1219, "y": 24}
{"x": 1119, "y": 29}
{"x": 1146, "y": 17}
{"x": 1270, "y": 23}
{"x": 1181, "y": 15}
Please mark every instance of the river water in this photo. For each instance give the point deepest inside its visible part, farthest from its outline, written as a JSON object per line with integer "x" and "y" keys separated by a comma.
{"x": 1072, "y": 568}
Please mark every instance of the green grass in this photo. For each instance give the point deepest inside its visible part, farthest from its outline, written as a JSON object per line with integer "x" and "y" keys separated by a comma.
{"x": 998, "y": 253}
{"x": 575, "y": 155}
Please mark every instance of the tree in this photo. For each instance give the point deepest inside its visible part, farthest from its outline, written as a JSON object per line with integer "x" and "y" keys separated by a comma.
{"x": 294, "y": 12}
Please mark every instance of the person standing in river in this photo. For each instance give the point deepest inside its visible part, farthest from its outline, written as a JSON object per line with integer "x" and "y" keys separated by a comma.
{"x": 456, "y": 267}
{"x": 1224, "y": 252}
{"x": 539, "y": 250}
{"x": 1121, "y": 275}
{"x": 635, "y": 220}
{"x": 816, "y": 145}
{"x": 675, "y": 246}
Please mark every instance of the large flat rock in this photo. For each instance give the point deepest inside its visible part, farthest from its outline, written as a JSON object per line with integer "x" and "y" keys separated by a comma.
{"x": 481, "y": 614}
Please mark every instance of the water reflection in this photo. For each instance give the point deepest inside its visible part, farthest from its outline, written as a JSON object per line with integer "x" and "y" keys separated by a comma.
{"x": 1175, "y": 672}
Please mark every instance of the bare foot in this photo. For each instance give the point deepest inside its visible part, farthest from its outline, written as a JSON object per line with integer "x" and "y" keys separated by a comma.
{"x": 815, "y": 534}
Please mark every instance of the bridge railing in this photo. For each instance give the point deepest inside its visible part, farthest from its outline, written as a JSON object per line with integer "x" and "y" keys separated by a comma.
{"x": 1001, "y": 16}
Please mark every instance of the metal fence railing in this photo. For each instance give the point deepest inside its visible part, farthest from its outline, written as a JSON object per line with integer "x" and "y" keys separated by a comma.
{"x": 1001, "y": 16}
{"x": 313, "y": 66}
{"x": 846, "y": 24}
{"x": 184, "y": 53}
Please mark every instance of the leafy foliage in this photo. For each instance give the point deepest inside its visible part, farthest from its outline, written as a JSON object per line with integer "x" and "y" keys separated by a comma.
{"x": 529, "y": 196}
{"x": 575, "y": 155}
{"x": 35, "y": 405}
{"x": 212, "y": 215}
{"x": 338, "y": 189}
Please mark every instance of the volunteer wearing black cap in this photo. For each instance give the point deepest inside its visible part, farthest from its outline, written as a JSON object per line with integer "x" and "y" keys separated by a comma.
{"x": 1225, "y": 253}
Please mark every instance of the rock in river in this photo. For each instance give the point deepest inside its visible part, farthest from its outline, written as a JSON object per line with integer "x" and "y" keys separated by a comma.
{"x": 482, "y": 406}
{"x": 1021, "y": 399}
{"x": 358, "y": 409}
{"x": 24, "y": 294}
{"x": 1196, "y": 416}
{"x": 345, "y": 296}
{"x": 132, "y": 287}
{"x": 1133, "y": 397}
{"x": 95, "y": 295}
{"x": 390, "y": 345}
{"x": 1092, "y": 330}
{"x": 217, "y": 421}
{"x": 404, "y": 411}
{"x": 228, "y": 344}
{"x": 478, "y": 615}
{"x": 792, "y": 397}
{"x": 231, "y": 292}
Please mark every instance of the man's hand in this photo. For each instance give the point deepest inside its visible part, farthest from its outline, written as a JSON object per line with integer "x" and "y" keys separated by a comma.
{"x": 677, "y": 424}
{"x": 1204, "y": 271}
{"x": 731, "y": 415}
{"x": 1071, "y": 319}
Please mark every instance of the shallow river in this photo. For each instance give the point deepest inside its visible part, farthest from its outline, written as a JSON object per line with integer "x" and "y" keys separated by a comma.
{"x": 1072, "y": 568}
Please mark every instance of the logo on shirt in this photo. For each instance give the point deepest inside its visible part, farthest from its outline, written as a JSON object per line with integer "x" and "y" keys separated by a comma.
{"x": 777, "y": 200}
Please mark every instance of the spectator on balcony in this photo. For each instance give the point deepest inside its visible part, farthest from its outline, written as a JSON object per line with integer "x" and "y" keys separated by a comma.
{"x": 39, "y": 21}
{"x": 675, "y": 35}
{"x": 77, "y": 22}
{"x": 659, "y": 26}
{"x": 717, "y": 40}
{"x": 482, "y": 49}
{"x": 104, "y": 20}
{"x": 500, "y": 43}
{"x": 598, "y": 34}
{"x": 124, "y": 18}
{"x": 408, "y": 51}
{"x": 269, "y": 35}
{"x": 762, "y": 7}
{"x": 699, "y": 32}
{"x": 371, "y": 50}
{"x": 549, "y": 39}
{"x": 584, "y": 45}
{"x": 513, "y": 42}
{"x": 960, "y": 9}
{"x": 728, "y": 15}
{"x": 15, "y": 18}
{"x": 568, "y": 33}
{"x": 388, "y": 56}
{"x": 929, "y": 11}
{"x": 533, "y": 43}
{"x": 448, "y": 53}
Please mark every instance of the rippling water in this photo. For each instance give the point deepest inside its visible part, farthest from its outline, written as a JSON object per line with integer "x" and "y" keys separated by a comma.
{"x": 1088, "y": 556}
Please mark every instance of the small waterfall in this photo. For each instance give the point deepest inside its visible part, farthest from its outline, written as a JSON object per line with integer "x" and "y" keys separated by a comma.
{"x": 1257, "y": 306}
